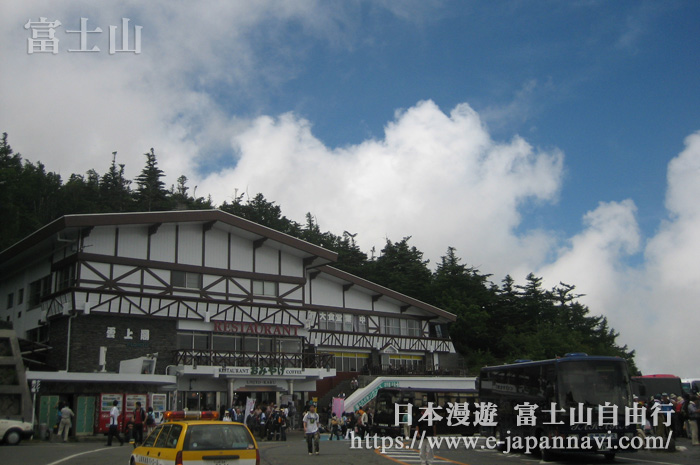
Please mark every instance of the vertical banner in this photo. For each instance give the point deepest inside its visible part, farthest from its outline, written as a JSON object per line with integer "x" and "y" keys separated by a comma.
{"x": 249, "y": 405}
{"x": 338, "y": 406}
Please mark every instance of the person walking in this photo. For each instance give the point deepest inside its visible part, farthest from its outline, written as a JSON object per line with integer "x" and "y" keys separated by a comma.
{"x": 424, "y": 426}
{"x": 311, "y": 422}
{"x": 65, "y": 424}
{"x": 114, "y": 424}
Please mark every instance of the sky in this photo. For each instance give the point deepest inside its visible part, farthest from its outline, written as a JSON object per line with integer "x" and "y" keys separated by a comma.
{"x": 560, "y": 138}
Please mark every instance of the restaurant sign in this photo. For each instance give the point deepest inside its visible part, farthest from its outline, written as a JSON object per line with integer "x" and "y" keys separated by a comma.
{"x": 260, "y": 371}
{"x": 255, "y": 328}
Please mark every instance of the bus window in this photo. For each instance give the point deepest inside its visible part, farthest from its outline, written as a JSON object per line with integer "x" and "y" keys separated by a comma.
{"x": 592, "y": 384}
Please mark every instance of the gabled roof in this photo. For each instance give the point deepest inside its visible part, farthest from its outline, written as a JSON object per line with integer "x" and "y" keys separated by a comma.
{"x": 154, "y": 218}
{"x": 383, "y": 291}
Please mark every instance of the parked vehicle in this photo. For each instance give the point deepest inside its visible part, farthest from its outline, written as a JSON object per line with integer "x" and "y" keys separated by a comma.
{"x": 13, "y": 431}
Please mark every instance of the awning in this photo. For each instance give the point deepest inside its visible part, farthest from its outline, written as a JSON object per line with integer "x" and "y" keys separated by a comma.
{"x": 261, "y": 389}
{"x": 80, "y": 377}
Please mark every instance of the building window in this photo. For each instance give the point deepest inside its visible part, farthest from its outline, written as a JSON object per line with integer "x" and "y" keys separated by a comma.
{"x": 66, "y": 278}
{"x": 34, "y": 293}
{"x": 20, "y": 296}
{"x": 329, "y": 321}
{"x": 289, "y": 346}
{"x": 10, "y": 300}
{"x": 392, "y": 326}
{"x": 438, "y": 330}
{"x": 266, "y": 288}
{"x": 256, "y": 344}
{"x": 38, "y": 290}
{"x": 360, "y": 324}
{"x": 226, "y": 342}
{"x": 349, "y": 361}
{"x": 408, "y": 362}
{"x": 186, "y": 280}
{"x": 193, "y": 340}
{"x": 414, "y": 328}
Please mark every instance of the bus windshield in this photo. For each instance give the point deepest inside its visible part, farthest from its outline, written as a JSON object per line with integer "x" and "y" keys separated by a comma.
{"x": 593, "y": 383}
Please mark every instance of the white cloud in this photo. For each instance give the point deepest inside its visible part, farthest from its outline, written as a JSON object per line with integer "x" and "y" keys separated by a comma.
{"x": 87, "y": 105}
{"x": 437, "y": 177}
{"x": 654, "y": 305}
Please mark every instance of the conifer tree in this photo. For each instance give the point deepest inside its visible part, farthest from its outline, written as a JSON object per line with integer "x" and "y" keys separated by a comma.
{"x": 151, "y": 193}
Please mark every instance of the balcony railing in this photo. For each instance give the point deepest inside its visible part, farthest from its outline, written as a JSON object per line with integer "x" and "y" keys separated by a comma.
{"x": 410, "y": 370}
{"x": 225, "y": 358}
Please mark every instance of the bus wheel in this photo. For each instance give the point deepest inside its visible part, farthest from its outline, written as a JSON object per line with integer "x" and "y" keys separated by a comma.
{"x": 546, "y": 455}
{"x": 501, "y": 445}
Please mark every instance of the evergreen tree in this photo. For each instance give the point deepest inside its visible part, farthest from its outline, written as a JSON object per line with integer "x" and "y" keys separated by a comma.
{"x": 261, "y": 211}
{"x": 350, "y": 257}
{"x": 81, "y": 194}
{"x": 11, "y": 225}
{"x": 114, "y": 188}
{"x": 401, "y": 267}
{"x": 495, "y": 324}
{"x": 151, "y": 193}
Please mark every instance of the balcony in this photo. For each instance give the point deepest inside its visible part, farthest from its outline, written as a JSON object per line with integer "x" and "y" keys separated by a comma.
{"x": 410, "y": 370}
{"x": 224, "y": 358}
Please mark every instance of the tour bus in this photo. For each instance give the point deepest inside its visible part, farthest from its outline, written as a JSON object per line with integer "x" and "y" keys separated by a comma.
{"x": 691, "y": 386}
{"x": 577, "y": 384}
{"x": 384, "y": 423}
{"x": 655, "y": 385}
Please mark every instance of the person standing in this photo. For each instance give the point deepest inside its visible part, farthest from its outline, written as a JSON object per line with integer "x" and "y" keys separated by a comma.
{"x": 150, "y": 420}
{"x": 407, "y": 421}
{"x": 292, "y": 415}
{"x": 423, "y": 426}
{"x": 694, "y": 419}
{"x": 114, "y": 424}
{"x": 311, "y": 421}
{"x": 139, "y": 418}
{"x": 335, "y": 427}
{"x": 283, "y": 424}
{"x": 65, "y": 424}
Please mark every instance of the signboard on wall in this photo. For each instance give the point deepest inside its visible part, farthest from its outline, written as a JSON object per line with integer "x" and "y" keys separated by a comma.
{"x": 255, "y": 328}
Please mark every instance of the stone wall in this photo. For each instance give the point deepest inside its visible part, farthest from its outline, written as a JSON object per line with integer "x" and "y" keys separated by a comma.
{"x": 125, "y": 337}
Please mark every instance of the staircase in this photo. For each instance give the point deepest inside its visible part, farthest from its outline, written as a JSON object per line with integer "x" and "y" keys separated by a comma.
{"x": 335, "y": 391}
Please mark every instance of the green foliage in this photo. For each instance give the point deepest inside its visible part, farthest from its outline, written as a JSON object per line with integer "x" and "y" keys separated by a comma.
{"x": 401, "y": 268}
{"x": 151, "y": 193}
{"x": 495, "y": 323}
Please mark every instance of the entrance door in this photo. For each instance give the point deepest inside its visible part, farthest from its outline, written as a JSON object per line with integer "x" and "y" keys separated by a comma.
{"x": 48, "y": 411}
{"x": 85, "y": 415}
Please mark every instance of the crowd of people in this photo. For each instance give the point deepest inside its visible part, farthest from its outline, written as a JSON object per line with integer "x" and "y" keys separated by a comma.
{"x": 684, "y": 419}
{"x": 269, "y": 421}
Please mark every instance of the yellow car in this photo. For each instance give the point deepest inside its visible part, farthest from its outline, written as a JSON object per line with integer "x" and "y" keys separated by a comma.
{"x": 197, "y": 438}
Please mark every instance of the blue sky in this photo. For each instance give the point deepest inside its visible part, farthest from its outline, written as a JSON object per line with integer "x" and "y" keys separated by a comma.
{"x": 554, "y": 137}
{"x": 612, "y": 84}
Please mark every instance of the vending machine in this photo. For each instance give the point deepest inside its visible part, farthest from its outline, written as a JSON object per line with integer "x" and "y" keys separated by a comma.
{"x": 159, "y": 402}
{"x": 105, "y": 403}
{"x": 131, "y": 400}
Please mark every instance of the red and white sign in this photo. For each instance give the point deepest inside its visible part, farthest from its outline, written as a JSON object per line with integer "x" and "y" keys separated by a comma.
{"x": 255, "y": 328}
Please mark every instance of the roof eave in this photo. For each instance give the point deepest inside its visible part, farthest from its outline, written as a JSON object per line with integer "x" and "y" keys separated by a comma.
{"x": 387, "y": 292}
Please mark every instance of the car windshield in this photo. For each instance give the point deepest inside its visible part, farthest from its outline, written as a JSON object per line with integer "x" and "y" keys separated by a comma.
{"x": 223, "y": 436}
{"x": 592, "y": 383}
